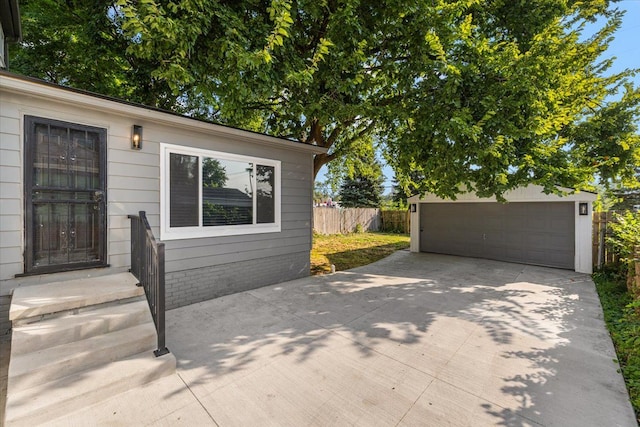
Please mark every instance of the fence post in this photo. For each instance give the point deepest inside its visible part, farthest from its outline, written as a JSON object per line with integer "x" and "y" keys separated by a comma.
{"x": 601, "y": 227}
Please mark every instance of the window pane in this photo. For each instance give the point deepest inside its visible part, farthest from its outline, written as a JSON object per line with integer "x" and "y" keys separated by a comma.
{"x": 265, "y": 180}
{"x": 183, "y": 190}
{"x": 227, "y": 192}
{"x": 84, "y": 156}
{"x": 51, "y": 237}
{"x": 83, "y": 233}
{"x": 51, "y": 168}
{"x": 41, "y": 155}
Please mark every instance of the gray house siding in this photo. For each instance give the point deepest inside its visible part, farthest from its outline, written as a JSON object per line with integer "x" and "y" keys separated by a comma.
{"x": 10, "y": 192}
{"x": 205, "y": 268}
{"x": 196, "y": 268}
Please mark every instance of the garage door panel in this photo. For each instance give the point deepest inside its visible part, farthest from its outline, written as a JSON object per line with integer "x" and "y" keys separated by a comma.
{"x": 556, "y": 241}
{"x": 457, "y": 242}
{"x": 494, "y": 252}
{"x": 446, "y": 231}
{"x": 536, "y": 224}
{"x": 535, "y": 233}
{"x": 546, "y": 245}
{"x": 514, "y": 222}
{"x": 537, "y": 257}
{"x": 542, "y": 257}
{"x": 493, "y": 223}
{"x": 558, "y": 223}
{"x": 539, "y": 240}
{"x": 514, "y": 254}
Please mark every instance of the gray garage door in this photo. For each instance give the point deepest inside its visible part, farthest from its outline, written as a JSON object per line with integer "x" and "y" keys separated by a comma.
{"x": 529, "y": 233}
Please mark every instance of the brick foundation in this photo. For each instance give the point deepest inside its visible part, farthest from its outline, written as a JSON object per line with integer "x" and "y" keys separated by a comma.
{"x": 201, "y": 284}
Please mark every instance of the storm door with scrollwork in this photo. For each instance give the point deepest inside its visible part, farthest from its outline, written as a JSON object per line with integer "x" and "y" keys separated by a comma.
{"x": 65, "y": 199}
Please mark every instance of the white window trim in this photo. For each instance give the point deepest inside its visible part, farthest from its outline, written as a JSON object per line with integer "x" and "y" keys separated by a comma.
{"x": 175, "y": 233}
{"x": 2, "y": 46}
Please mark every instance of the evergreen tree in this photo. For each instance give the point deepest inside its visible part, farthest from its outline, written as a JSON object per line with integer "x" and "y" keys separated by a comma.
{"x": 360, "y": 192}
{"x": 361, "y": 178}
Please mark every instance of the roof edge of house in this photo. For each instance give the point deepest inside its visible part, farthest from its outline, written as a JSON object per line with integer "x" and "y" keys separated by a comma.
{"x": 17, "y": 83}
{"x": 10, "y": 20}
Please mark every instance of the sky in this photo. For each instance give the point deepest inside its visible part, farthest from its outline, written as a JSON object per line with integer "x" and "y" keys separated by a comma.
{"x": 625, "y": 48}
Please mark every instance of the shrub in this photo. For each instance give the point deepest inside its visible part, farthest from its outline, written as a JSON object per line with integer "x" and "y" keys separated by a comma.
{"x": 625, "y": 239}
{"x": 626, "y": 234}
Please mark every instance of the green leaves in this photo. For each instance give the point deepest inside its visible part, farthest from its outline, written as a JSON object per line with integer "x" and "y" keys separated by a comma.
{"x": 279, "y": 14}
{"x": 435, "y": 47}
{"x": 521, "y": 107}
{"x": 459, "y": 93}
{"x": 625, "y": 235}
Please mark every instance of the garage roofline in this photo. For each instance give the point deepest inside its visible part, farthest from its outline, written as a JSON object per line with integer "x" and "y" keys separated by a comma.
{"x": 530, "y": 193}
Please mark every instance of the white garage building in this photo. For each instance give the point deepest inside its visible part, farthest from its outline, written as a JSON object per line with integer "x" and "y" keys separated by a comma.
{"x": 531, "y": 228}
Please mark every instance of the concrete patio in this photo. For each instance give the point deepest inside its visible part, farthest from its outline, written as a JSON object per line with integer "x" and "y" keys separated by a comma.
{"x": 414, "y": 339}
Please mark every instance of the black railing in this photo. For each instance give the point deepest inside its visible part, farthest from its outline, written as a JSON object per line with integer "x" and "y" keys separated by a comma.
{"x": 147, "y": 264}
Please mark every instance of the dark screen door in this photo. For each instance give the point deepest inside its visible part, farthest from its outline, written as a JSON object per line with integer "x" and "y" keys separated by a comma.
{"x": 65, "y": 182}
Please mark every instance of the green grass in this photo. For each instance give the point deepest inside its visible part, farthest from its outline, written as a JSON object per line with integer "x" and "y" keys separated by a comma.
{"x": 623, "y": 321}
{"x": 347, "y": 251}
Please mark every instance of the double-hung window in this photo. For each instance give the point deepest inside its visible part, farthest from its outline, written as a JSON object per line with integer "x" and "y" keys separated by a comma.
{"x": 209, "y": 193}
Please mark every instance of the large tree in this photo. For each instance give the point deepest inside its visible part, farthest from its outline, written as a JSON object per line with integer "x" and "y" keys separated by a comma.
{"x": 519, "y": 97}
{"x": 461, "y": 93}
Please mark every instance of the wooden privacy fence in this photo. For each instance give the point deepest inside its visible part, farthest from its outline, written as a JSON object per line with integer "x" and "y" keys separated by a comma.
{"x": 396, "y": 221}
{"x": 348, "y": 220}
{"x": 602, "y": 250}
{"x": 336, "y": 221}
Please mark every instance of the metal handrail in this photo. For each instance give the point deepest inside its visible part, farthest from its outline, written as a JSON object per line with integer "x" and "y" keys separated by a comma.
{"x": 147, "y": 265}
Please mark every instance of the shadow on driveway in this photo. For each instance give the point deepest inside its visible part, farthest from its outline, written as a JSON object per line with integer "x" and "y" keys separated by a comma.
{"x": 414, "y": 339}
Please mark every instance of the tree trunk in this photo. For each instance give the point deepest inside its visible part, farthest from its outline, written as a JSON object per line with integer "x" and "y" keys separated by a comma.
{"x": 320, "y": 160}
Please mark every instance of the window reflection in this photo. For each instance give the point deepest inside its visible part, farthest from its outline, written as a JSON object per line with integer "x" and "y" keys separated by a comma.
{"x": 265, "y": 180}
{"x": 183, "y": 190}
{"x": 227, "y": 192}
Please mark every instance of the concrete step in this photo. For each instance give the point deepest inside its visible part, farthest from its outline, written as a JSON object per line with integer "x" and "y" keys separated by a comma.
{"x": 79, "y": 324}
{"x": 39, "y": 300}
{"x": 37, "y": 405}
{"x": 40, "y": 367}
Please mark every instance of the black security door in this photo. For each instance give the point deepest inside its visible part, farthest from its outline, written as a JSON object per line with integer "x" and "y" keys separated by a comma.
{"x": 65, "y": 181}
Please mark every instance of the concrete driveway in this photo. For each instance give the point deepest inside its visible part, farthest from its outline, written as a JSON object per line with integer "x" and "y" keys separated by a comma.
{"x": 413, "y": 340}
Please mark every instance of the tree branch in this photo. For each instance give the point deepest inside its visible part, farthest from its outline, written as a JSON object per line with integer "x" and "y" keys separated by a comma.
{"x": 316, "y": 133}
{"x": 320, "y": 160}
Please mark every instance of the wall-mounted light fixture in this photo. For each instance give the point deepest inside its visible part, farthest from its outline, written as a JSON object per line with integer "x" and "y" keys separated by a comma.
{"x": 413, "y": 207}
{"x": 583, "y": 208}
{"x": 136, "y": 137}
